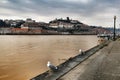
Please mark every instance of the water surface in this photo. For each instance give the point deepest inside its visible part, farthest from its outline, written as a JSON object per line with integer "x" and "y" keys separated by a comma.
{"x": 24, "y": 57}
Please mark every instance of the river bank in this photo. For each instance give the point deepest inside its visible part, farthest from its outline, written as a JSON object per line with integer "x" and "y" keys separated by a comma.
{"x": 50, "y": 33}
{"x": 70, "y": 64}
{"x": 104, "y": 65}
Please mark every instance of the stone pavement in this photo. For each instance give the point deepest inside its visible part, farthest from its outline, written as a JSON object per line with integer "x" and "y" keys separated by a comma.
{"x": 104, "y": 65}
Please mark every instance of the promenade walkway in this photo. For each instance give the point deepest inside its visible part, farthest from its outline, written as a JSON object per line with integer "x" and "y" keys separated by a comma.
{"x": 104, "y": 65}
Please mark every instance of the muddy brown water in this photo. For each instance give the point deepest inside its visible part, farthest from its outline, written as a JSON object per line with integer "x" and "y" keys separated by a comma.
{"x": 23, "y": 57}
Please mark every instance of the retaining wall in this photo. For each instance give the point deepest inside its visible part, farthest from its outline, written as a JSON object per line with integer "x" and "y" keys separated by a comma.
{"x": 69, "y": 64}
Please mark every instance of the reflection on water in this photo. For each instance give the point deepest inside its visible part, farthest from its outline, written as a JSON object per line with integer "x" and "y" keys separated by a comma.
{"x": 23, "y": 57}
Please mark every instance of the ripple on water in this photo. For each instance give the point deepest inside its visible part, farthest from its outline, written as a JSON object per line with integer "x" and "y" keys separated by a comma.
{"x": 3, "y": 76}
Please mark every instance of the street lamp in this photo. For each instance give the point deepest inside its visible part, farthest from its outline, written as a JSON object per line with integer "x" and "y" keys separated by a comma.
{"x": 114, "y": 35}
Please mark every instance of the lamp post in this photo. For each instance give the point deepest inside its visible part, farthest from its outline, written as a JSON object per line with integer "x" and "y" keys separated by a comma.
{"x": 114, "y": 35}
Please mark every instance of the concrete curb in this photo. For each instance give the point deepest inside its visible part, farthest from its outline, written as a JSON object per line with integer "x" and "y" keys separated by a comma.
{"x": 69, "y": 64}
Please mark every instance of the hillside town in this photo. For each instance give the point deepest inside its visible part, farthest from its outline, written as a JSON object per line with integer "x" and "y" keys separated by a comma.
{"x": 56, "y": 26}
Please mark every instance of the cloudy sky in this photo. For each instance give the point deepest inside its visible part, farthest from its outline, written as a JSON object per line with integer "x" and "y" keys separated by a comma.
{"x": 91, "y": 12}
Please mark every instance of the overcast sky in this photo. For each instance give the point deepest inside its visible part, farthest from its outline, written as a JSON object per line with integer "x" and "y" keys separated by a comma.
{"x": 91, "y": 12}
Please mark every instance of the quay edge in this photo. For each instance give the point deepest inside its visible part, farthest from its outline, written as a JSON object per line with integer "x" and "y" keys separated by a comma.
{"x": 69, "y": 64}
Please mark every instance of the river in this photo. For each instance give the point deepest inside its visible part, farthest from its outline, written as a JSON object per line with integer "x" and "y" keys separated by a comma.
{"x": 25, "y": 56}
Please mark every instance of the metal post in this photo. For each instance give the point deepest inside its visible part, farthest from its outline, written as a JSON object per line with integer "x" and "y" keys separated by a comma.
{"x": 114, "y": 35}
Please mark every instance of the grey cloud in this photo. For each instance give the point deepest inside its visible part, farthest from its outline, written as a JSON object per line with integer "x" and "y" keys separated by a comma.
{"x": 57, "y": 7}
{"x": 44, "y": 7}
